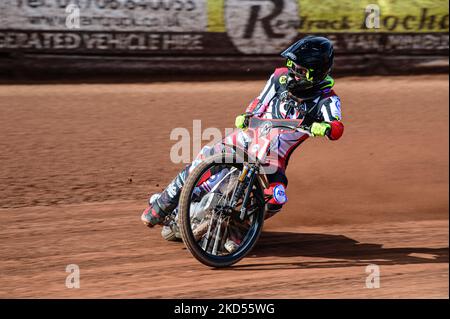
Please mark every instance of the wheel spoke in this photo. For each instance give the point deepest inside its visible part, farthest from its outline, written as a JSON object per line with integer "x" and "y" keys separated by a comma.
{"x": 217, "y": 238}
{"x": 206, "y": 238}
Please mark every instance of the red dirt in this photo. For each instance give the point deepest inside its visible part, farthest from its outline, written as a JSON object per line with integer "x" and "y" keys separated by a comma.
{"x": 78, "y": 161}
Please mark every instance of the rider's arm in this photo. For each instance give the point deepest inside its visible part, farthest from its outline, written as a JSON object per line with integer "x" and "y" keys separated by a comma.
{"x": 259, "y": 104}
{"x": 331, "y": 111}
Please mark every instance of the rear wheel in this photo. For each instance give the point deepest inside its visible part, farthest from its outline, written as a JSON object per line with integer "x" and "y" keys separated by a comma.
{"x": 214, "y": 232}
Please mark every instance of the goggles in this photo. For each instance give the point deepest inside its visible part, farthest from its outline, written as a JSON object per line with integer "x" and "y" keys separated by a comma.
{"x": 299, "y": 72}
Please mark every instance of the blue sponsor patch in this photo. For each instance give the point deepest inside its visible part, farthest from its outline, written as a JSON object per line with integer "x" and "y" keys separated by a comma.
{"x": 279, "y": 194}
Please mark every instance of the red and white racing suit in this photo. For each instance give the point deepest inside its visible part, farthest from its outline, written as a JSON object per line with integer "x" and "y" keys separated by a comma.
{"x": 273, "y": 103}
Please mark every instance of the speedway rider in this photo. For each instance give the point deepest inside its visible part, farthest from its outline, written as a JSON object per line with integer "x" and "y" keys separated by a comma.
{"x": 291, "y": 92}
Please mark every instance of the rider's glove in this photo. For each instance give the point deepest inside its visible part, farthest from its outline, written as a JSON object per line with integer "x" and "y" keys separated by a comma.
{"x": 241, "y": 121}
{"x": 320, "y": 129}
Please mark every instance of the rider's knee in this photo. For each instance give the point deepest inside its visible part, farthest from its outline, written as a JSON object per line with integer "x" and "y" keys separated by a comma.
{"x": 277, "y": 191}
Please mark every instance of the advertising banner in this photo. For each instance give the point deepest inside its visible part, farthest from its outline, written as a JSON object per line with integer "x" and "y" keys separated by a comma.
{"x": 221, "y": 27}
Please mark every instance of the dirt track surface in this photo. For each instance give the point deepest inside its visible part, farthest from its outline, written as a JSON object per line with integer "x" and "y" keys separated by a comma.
{"x": 78, "y": 162}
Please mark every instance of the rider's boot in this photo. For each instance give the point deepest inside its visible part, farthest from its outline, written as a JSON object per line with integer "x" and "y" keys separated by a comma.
{"x": 162, "y": 204}
{"x": 153, "y": 214}
{"x": 168, "y": 232}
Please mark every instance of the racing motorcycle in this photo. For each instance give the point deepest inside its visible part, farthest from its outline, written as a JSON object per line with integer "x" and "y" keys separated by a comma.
{"x": 222, "y": 206}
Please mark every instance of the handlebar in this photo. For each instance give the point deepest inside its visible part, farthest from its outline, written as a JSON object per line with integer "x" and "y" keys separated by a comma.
{"x": 305, "y": 130}
{"x": 294, "y": 125}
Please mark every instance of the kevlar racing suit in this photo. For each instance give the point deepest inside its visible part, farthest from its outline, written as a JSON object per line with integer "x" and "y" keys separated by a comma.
{"x": 274, "y": 102}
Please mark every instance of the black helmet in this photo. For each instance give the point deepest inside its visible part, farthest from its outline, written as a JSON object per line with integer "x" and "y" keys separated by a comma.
{"x": 309, "y": 61}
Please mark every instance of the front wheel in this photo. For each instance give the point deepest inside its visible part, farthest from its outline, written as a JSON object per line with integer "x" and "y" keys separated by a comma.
{"x": 213, "y": 230}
